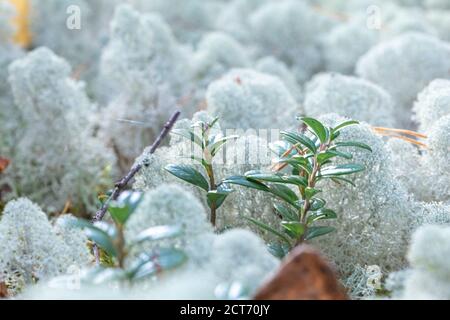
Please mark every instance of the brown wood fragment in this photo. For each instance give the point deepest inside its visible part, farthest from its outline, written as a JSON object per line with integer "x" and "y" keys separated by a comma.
{"x": 3, "y": 290}
{"x": 4, "y": 163}
{"x": 304, "y": 275}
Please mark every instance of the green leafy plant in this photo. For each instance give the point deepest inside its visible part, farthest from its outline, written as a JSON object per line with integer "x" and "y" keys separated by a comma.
{"x": 303, "y": 161}
{"x": 200, "y": 134}
{"x": 110, "y": 238}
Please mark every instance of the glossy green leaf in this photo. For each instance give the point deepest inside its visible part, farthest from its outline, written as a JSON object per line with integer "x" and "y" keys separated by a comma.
{"x": 243, "y": 181}
{"x": 323, "y": 214}
{"x": 190, "y": 135}
{"x": 279, "y": 250}
{"x": 311, "y": 192}
{"x": 298, "y": 138}
{"x": 109, "y": 228}
{"x": 158, "y": 233}
{"x": 188, "y": 174}
{"x": 342, "y": 154}
{"x": 340, "y": 170}
{"x": 122, "y": 208}
{"x": 213, "y": 123}
{"x": 151, "y": 264}
{"x": 325, "y": 156}
{"x": 265, "y": 227}
{"x": 284, "y": 193}
{"x": 295, "y": 180}
{"x": 102, "y": 239}
{"x": 317, "y": 128}
{"x": 344, "y": 125}
{"x": 317, "y": 204}
{"x": 354, "y": 144}
{"x": 294, "y": 227}
{"x": 314, "y": 232}
{"x": 218, "y": 197}
{"x": 263, "y": 176}
{"x": 276, "y": 177}
{"x": 285, "y": 212}
{"x": 95, "y": 233}
{"x": 334, "y": 135}
{"x": 330, "y": 154}
{"x": 216, "y": 145}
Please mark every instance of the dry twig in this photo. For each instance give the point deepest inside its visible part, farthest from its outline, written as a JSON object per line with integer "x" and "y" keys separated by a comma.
{"x": 122, "y": 183}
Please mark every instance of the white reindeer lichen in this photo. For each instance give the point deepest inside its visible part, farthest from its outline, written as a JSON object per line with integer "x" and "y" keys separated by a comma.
{"x": 57, "y": 159}
{"x": 31, "y": 249}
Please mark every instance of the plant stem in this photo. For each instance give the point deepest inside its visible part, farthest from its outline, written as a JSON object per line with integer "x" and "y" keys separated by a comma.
{"x": 208, "y": 158}
{"x": 212, "y": 187}
{"x": 122, "y": 183}
{"x": 307, "y": 204}
{"x": 121, "y": 253}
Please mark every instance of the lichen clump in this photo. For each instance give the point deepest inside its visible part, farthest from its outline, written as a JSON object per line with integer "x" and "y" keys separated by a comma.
{"x": 33, "y": 249}
{"x": 57, "y": 158}
{"x": 428, "y": 255}
{"x": 245, "y": 99}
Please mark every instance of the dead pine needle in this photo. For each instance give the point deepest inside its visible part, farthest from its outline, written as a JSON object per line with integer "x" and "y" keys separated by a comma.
{"x": 402, "y": 131}
{"x": 402, "y": 134}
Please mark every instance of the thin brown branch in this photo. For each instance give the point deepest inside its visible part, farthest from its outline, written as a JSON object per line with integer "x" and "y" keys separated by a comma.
{"x": 122, "y": 183}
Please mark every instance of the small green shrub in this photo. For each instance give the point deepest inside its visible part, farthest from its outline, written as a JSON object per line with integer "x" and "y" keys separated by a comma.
{"x": 210, "y": 144}
{"x": 110, "y": 238}
{"x": 303, "y": 161}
